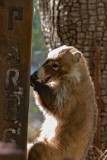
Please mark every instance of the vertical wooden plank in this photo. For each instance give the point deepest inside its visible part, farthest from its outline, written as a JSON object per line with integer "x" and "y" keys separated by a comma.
{"x": 15, "y": 49}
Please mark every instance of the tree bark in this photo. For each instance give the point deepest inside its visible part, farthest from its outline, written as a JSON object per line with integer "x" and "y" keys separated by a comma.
{"x": 82, "y": 24}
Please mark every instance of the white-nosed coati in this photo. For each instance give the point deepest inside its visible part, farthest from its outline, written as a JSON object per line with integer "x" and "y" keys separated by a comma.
{"x": 65, "y": 92}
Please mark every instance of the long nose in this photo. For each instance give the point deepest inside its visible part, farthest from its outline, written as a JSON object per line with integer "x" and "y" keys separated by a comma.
{"x": 33, "y": 78}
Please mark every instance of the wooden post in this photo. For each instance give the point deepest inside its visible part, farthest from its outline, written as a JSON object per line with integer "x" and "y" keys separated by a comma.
{"x": 15, "y": 49}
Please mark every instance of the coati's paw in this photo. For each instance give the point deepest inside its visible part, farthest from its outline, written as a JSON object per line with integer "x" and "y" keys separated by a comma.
{"x": 34, "y": 153}
{"x": 35, "y": 84}
{"x": 38, "y": 152}
{"x": 33, "y": 81}
{"x": 34, "y": 157}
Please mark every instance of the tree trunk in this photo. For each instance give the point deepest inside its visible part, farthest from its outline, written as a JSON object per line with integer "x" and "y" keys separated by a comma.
{"x": 82, "y": 24}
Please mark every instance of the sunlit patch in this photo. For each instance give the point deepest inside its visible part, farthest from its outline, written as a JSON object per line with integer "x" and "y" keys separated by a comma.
{"x": 48, "y": 128}
{"x": 29, "y": 145}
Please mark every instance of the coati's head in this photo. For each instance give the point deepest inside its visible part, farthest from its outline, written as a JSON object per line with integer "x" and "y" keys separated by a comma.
{"x": 61, "y": 62}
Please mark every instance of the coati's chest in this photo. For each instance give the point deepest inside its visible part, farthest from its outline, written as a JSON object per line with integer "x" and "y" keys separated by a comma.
{"x": 48, "y": 128}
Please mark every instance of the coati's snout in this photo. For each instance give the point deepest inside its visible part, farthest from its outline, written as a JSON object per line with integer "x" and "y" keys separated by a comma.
{"x": 47, "y": 73}
{"x": 40, "y": 76}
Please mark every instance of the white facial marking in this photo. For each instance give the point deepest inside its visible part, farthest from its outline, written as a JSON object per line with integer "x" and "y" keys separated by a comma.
{"x": 41, "y": 73}
{"x": 54, "y": 53}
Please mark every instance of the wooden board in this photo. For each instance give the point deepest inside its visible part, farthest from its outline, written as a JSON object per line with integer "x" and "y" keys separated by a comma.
{"x": 15, "y": 50}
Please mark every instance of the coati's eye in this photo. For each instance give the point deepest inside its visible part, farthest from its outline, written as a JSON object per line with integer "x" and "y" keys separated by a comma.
{"x": 55, "y": 66}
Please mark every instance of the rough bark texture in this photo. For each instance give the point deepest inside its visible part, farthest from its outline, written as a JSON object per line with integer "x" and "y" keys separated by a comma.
{"x": 82, "y": 24}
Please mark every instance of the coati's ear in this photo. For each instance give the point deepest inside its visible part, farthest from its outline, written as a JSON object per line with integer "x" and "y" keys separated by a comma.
{"x": 77, "y": 56}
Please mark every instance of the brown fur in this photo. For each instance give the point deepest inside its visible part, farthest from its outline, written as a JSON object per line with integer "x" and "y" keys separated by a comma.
{"x": 65, "y": 91}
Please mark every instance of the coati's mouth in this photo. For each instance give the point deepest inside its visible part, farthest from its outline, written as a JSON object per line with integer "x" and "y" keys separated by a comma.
{"x": 44, "y": 80}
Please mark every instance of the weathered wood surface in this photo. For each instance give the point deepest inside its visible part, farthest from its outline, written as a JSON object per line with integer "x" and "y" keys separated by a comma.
{"x": 15, "y": 49}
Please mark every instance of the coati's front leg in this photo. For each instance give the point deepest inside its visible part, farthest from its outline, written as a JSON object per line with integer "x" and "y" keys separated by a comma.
{"x": 42, "y": 151}
{"x": 46, "y": 95}
{"x": 45, "y": 92}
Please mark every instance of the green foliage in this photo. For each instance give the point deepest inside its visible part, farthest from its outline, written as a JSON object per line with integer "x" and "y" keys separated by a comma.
{"x": 38, "y": 43}
{"x": 35, "y": 109}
